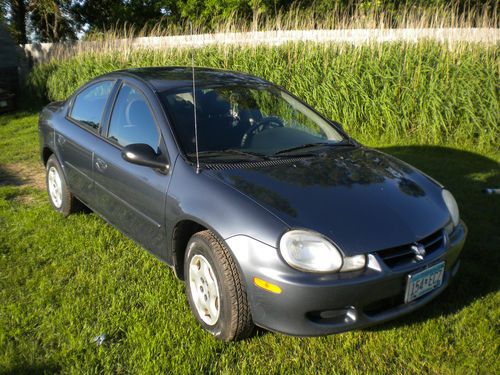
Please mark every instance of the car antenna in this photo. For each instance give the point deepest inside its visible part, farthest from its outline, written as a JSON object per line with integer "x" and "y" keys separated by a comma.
{"x": 194, "y": 104}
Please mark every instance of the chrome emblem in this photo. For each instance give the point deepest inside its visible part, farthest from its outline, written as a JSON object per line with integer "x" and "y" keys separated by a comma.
{"x": 419, "y": 250}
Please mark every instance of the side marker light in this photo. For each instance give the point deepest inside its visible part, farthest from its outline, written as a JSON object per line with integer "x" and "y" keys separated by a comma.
{"x": 266, "y": 285}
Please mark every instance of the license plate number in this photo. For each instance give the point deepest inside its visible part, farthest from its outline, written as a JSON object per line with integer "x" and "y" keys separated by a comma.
{"x": 423, "y": 282}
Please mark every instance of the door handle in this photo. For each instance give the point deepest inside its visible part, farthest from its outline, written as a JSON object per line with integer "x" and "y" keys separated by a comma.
{"x": 101, "y": 165}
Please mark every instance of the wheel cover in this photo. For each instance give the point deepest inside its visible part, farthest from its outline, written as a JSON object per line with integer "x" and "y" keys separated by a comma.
{"x": 204, "y": 289}
{"x": 55, "y": 187}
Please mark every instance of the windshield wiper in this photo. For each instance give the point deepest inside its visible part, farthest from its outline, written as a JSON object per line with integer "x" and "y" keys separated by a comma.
{"x": 230, "y": 151}
{"x": 312, "y": 145}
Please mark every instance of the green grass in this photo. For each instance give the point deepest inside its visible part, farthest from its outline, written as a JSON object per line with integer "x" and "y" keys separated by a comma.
{"x": 416, "y": 93}
{"x": 65, "y": 281}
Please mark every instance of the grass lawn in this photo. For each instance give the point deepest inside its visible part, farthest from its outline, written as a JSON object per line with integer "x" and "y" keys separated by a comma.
{"x": 65, "y": 281}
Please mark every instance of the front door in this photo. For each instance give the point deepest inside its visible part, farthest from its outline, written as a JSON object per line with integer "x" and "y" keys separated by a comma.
{"x": 132, "y": 197}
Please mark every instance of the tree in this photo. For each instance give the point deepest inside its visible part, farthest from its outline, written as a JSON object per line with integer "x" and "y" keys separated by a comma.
{"x": 3, "y": 11}
{"x": 100, "y": 15}
{"x": 50, "y": 20}
{"x": 214, "y": 11}
{"x": 14, "y": 12}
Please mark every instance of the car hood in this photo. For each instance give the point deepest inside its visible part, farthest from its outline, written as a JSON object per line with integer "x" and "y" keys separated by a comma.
{"x": 362, "y": 199}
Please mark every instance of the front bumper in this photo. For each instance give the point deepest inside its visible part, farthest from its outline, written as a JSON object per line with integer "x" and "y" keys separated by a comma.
{"x": 319, "y": 304}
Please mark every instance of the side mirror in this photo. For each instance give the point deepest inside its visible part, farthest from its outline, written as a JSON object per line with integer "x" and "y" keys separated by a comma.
{"x": 143, "y": 154}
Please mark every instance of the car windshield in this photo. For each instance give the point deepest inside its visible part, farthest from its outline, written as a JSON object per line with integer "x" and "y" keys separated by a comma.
{"x": 245, "y": 121}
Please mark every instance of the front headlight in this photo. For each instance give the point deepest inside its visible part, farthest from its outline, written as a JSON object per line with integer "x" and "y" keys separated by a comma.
{"x": 311, "y": 252}
{"x": 451, "y": 203}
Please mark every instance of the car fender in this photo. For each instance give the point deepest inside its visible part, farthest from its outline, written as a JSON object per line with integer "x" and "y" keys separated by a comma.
{"x": 212, "y": 204}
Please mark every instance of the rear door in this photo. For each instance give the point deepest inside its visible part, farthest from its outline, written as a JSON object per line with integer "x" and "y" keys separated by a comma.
{"x": 132, "y": 197}
{"x": 77, "y": 140}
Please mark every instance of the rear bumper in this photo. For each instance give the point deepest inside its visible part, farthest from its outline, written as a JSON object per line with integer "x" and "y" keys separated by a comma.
{"x": 312, "y": 304}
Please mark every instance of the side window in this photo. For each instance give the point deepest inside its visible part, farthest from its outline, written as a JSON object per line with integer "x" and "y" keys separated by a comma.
{"x": 89, "y": 104}
{"x": 132, "y": 120}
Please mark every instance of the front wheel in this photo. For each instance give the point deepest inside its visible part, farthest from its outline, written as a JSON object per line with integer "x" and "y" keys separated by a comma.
{"x": 214, "y": 289}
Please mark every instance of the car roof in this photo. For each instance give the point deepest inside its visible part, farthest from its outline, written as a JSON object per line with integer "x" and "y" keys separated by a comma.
{"x": 177, "y": 77}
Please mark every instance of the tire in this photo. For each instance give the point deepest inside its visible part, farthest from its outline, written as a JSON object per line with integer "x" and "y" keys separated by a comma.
{"x": 225, "y": 312}
{"x": 60, "y": 197}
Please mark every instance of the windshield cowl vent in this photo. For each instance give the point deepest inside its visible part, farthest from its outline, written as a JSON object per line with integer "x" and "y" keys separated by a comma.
{"x": 252, "y": 164}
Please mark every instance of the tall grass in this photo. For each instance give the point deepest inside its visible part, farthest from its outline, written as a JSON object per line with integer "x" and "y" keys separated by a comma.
{"x": 422, "y": 93}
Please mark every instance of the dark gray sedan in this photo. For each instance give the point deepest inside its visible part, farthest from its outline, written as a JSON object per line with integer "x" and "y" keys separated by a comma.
{"x": 270, "y": 213}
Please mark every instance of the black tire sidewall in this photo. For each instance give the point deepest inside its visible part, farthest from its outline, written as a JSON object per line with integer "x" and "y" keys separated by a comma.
{"x": 221, "y": 329}
{"x": 65, "y": 196}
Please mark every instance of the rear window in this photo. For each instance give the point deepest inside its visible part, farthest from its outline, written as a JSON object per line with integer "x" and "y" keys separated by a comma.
{"x": 88, "y": 106}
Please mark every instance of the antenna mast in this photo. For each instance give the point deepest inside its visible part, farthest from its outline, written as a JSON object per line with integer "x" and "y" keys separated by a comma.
{"x": 194, "y": 104}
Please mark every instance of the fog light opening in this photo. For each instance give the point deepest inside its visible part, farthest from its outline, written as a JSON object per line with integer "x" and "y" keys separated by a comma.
{"x": 343, "y": 316}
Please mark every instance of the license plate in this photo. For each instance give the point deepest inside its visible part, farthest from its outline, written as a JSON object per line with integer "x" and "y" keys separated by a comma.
{"x": 423, "y": 282}
{"x": 3, "y": 103}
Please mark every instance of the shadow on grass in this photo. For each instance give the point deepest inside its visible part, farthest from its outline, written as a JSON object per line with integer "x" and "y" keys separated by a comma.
{"x": 466, "y": 174}
{"x": 21, "y": 113}
{"x": 7, "y": 177}
{"x": 22, "y": 174}
{"x": 43, "y": 368}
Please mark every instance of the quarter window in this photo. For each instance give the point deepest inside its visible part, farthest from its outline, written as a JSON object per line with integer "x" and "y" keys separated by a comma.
{"x": 89, "y": 104}
{"x": 132, "y": 120}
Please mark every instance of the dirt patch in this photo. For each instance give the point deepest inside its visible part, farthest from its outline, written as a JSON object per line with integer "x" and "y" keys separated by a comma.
{"x": 22, "y": 174}
{"x": 25, "y": 199}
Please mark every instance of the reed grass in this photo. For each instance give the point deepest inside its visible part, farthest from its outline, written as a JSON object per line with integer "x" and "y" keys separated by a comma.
{"x": 416, "y": 93}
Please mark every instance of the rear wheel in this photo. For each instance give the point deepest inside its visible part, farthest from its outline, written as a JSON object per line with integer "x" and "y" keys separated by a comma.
{"x": 59, "y": 195}
{"x": 214, "y": 289}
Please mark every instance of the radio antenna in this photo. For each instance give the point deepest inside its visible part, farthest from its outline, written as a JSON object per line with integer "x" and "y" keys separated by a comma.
{"x": 194, "y": 104}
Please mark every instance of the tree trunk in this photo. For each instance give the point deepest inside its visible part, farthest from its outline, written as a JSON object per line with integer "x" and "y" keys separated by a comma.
{"x": 18, "y": 8}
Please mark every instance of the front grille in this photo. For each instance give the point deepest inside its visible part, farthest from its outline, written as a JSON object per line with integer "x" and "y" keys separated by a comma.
{"x": 401, "y": 255}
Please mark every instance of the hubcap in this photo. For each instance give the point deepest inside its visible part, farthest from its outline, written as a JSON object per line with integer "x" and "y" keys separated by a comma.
{"x": 55, "y": 188}
{"x": 204, "y": 289}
